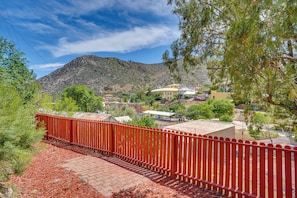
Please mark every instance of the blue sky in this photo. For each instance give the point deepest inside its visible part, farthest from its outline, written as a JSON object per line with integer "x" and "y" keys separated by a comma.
{"x": 51, "y": 33}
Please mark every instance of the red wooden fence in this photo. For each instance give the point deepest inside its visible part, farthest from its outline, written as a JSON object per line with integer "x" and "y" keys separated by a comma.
{"x": 232, "y": 167}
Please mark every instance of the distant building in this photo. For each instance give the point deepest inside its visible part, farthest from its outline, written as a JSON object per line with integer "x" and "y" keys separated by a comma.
{"x": 183, "y": 90}
{"x": 205, "y": 127}
{"x": 190, "y": 93}
{"x": 110, "y": 97}
{"x": 159, "y": 114}
{"x": 167, "y": 93}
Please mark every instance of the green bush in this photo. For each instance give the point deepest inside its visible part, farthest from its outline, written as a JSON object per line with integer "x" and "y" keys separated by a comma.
{"x": 84, "y": 98}
{"x": 18, "y": 132}
{"x": 144, "y": 121}
{"x": 225, "y": 118}
{"x": 18, "y": 90}
{"x": 222, "y": 107}
{"x": 176, "y": 107}
{"x": 200, "y": 111}
{"x": 258, "y": 121}
{"x": 124, "y": 110}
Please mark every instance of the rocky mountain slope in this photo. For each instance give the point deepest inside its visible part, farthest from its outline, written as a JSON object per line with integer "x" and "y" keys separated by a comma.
{"x": 100, "y": 74}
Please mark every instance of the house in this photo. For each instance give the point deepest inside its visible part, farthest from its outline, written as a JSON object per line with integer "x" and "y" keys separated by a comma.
{"x": 95, "y": 116}
{"x": 108, "y": 97}
{"x": 159, "y": 114}
{"x": 205, "y": 127}
{"x": 190, "y": 93}
{"x": 183, "y": 90}
{"x": 167, "y": 92}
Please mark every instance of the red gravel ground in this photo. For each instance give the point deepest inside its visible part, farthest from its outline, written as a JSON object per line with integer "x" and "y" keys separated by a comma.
{"x": 45, "y": 178}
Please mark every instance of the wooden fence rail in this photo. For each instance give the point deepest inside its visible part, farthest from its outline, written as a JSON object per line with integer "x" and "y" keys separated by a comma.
{"x": 232, "y": 167}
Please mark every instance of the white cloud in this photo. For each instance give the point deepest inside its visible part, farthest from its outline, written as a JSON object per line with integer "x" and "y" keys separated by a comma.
{"x": 38, "y": 27}
{"x": 125, "y": 41}
{"x": 48, "y": 66}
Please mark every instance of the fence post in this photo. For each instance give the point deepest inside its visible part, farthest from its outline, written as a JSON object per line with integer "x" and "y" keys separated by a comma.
{"x": 111, "y": 139}
{"x": 71, "y": 131}
{"x": 46, "y": 126}
{"x": 174, "y": 155}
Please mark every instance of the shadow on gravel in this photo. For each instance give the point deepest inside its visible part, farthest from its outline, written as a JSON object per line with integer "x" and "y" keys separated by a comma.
{"x": 184, "y": 188}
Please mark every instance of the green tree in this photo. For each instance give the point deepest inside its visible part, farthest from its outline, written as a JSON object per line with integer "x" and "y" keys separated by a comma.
{"x": 177, "y": 107}
{"x": 200, "y": 111}
{"x": 13, "y": 71}
{"x": 258, "y": 120}
{"x": 66, "y": 104}
{"x": 18, "y": 132}
{"x": 124, "y": 110}
{"x": 163, "y": 108}
{"x": 138, "y": 96}
{"x": 84, "y": 98}
{"x": 248, "y": 45}
{"x": 222, "y": 107}
{"x": 225, "y": 118}
{"x": 45, "y": 101}
{"x": 144, "y": 121}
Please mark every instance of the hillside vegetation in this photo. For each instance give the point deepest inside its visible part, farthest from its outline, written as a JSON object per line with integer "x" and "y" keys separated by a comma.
{"x": 100, "y": 74}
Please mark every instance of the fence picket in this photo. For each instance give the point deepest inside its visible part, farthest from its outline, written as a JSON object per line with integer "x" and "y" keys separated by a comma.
{"x": 215, "y": 161}
{"x": 227, "y": 165}
{"x": 240, "y": 168}
{"x": 270, "y": 178}
{"x": 254, "y": 168}
{"x": 209, "y": 161}
{"x": 233, "y": 171}
{"x": 288, "y": 171}
{"x": 295, "y": 170}
{"x": 247, "y": 167}
{"x": 279, "y": 171}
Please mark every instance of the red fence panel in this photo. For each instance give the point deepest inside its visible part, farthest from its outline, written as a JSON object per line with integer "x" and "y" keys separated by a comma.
{"x": 234, "y": 167}
{"x": 92, "y": 134}
{"x": 148, "y": 147}
{"x": 57, "y": 127}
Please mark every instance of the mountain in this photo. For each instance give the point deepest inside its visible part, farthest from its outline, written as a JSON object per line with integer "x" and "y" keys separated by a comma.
{"x": 101, "y": 74}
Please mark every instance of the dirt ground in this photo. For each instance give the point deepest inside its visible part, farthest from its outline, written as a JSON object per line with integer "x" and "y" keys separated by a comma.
{"x": 45, "y": 178}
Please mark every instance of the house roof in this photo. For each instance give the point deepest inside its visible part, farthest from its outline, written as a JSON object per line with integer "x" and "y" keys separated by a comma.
{"x": 200, "y": 127}
{"x": 185, "y": 89}
{"x": 123, "y": 118}
{"x": 161, "y": 113}
{"x": 93, "y": 116}
{"x": 165, "y": 89}
{"x": 190, "y": 93}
